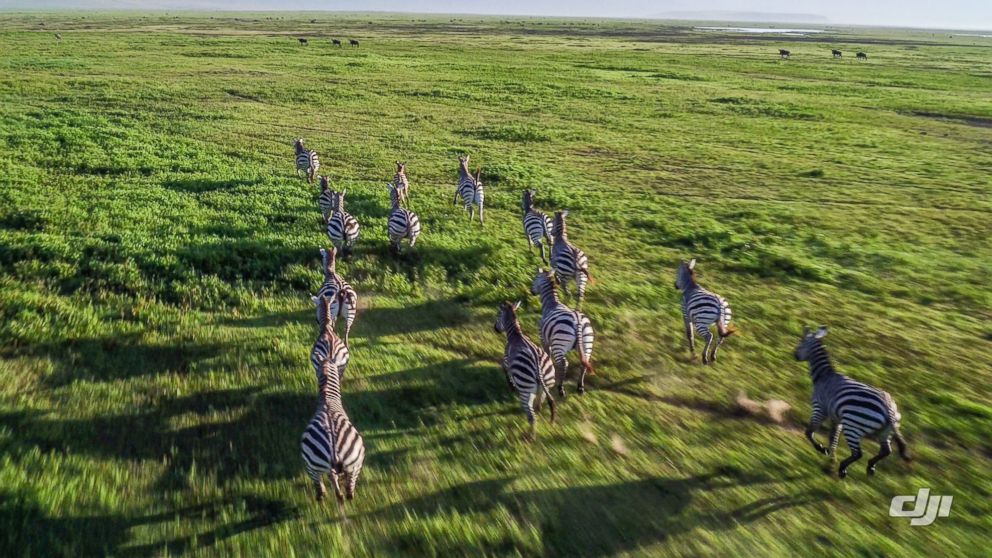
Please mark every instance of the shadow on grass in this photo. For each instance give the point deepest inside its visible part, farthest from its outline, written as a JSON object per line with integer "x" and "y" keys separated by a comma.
{"x": 202, "y": 185}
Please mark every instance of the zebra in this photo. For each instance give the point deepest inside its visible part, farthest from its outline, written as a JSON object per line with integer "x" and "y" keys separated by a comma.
{"x": 342, "y": 297}
{"x": 700, "y": 310}
{"x": 537, "y": 225}
{"x": 836, "y": 53}
{"x": 325, "y": 201}
{"x": 306, "y": 161}
{"x": 303, "y": 41}
{"x": 403, "y": 223}
{"x": 856, "y": 409}
{"x": 330, "y": 443}
{"x": 336, "y": 42}
{"x": 529, "y": 371}
{"x": 58, "y": 37}
{"x": 784, "y": 53}
{"x": 562, "y": 330}
{"x": 401, "y": 183}
{"x": 567, "y": 260}
{"x": 862, "y": 56}
{"x": 469, "y": 189}
{"x": 342, "y": 227}
{"x": 353, "y": 43}
{"x": 328, "y": 344}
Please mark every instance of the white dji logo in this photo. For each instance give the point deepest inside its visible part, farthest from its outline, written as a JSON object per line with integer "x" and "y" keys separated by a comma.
{"x": 925, "y": 510}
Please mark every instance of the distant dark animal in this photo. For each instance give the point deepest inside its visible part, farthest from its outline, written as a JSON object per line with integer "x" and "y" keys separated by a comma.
{"x": 313, "y": 21}
{"x": 856, "y": 409}
{"x": 336, "y": 42}
{"x": 784, "y": 53}
{"x": 469, "y": 188}
{"x": 568, "y": 261}
{"x": 700, "y": 310}
{"x": 58, "y": 37}
{"x": 836, "y": 53}
{"x": 403, "y": 223}
{"x": 306, "y": 160}
{"x": 353, "y": 42}
{"x": 562, "y": 330}
{"x": 862, "y": 56}
{"x": 537, "y": 225}
{"x": 303, "y": 41}
{"x": 529, "y": 370}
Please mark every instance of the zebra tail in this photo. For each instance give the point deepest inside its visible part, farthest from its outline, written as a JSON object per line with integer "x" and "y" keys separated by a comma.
{"x": 588, "y": 276}
{"x": 551, "y": 402}
{"x": 588, "y": 366}
{"x": 726, "y": 330}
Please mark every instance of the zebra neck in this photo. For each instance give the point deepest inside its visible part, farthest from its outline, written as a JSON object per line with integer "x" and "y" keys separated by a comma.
{"x": 549, "y": 296}
{"x": 819, "y": 364}
{"x": 514, "y": 333}
{"x": 691, "y": 286}
{"x": 331, "y": 393}
{"x": 463, "y": 172}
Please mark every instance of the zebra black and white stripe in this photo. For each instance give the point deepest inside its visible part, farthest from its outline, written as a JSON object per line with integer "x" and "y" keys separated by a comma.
{"x": 403, "y": 223}
{"x": 331, "y": 444}
{"x": 326, "y": 199}
{"x": 856, "y": 409}
{"x": 342, "y": 227}
{"x": 567, "y": 260}
{"x": 401, "y": 183}
{"x": 562, "y": 330}
{"x": 328, "y": 344}
{"x": 470, "y": 189}
{"x": 343, "y": 298}
{"x": 537, "y": 225}
{"x": 700, "y": 310}
{"x": 306, "y": 161}
{"x": 529, "y": 371}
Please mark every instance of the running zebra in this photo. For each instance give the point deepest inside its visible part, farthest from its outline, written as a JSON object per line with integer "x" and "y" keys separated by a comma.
{"x": 403, "y": 223}
{"x": 567, "y": 260}
{"x": 537, "y": 225}
{"x": 700, "y": 310}
{"x": 342, "y": 227}
{"x": 343, "y": 298}
{"x": 562, "y": 330}
{"x": 528, "y": 369}
{"x": 328, "y": 344}
{"x": 856, "y": 409}
{"x": 306, "y": 161}
{"x": 331, "y": 444}
{"x": 469, "y": 189}
{"x": 326, "y": 199}
{"x": 401, "y": 184}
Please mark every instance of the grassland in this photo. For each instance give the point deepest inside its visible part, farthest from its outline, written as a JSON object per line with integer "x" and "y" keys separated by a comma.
{"x": 157, "y": 252}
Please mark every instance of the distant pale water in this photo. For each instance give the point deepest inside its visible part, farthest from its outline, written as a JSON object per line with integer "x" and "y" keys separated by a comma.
{"x": 762, "y": 30}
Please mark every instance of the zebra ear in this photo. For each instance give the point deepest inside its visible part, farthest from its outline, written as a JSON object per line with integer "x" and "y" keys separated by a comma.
{"x": 516, "y": 305}
{"x": 314, "y": 299}
{"x": 821, "y": 333}
{"x": 692, "y": 264}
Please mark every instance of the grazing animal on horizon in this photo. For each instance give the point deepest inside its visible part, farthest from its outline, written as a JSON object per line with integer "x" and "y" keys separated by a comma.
{"x": 700, "y": 310}
{"x": 784, "y": 53}
{"x": 401, "y": 183}
{"x": 862, "y": 56}
{"x": 470, "y": 189}
{"x": 537, "y": 225}
{"x": 403, "y": 223}
{"x": 303, "y": 41}
{"x": 562, "y": 330}
{"x": 567, "y": 260}
{"x": 353, "y": 43}
{"x": 306, "y": 160}
{"x": 342, "y": 227}
{"x": 331, "y": 444}
{"x": 341, "y": 296}
{"x": 328, "y": 344}
{"x": 836, "y": 53}
{"x": 336, "y": 42}
{"x": 854, "y": 408}
{"x": 528, "y": 369}
{"x": 58, "y": 37}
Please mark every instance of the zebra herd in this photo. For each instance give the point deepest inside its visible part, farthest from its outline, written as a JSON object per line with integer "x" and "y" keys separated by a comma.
{"x": 785, "y": 54}
{"x": 332, "y": 445}
{"x": 334, "y": 42}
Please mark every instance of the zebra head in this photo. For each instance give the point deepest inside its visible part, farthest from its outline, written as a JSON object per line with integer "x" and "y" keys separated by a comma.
{"x": 686, "y": 274}
{"x": 542, "y": 279}
{"x": 507, "y": 316}
{"x": 394, "y": 196}
{"x": 400, "y": 167}
{"x": 329, "y": 258}
{"x": 809, "y": 342}
{"x": 298, "y": 144}
{"x": 528, "y": 200}
{"x": 463, "y": 163}
{"x": 323, "y": 184}
{"x": 558, "y": 227}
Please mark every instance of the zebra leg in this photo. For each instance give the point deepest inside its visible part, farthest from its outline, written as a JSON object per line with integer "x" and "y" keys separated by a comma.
{"x": 883, "y": 452}
{"x": 834, "y": 440}
{"x": 704, "y": 332}
{"x": 352, "y": 483}
{"x": 719, "y": 341}
{"x": 551, "y": 405}
{"x": 527, "y": 400}
{"x": 319, "y": 486}
{"x": 471, "y": 211}
{"x": 561, "y": 368}
{"x": 901, "y": 443}
{"x": 814, "y": 424}
{"x": 690, "y": 336}
{"x": 541, "y": 246}
{"x": 853, "y": 442}
{"x": 337, "y": 485}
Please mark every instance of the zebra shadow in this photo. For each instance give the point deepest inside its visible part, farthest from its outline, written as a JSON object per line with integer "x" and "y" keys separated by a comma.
{"x": 204, "y": 185}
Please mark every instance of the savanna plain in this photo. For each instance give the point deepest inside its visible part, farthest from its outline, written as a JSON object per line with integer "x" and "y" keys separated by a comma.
{"x": 157, "y": 253}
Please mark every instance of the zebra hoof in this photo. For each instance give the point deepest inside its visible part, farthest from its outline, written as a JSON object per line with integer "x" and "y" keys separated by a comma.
{"x": 841, "y": 473}
{"x": 561, "y": 392}
{"x": 871, "y": 471}
{"x": 581, "y": 390}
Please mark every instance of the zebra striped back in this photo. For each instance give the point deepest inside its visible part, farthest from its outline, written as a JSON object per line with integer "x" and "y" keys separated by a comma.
{"x": 403, "y": 223}
{"x": 537, "y": 225}
{"x": 856, "y": 409}
{"x": 328, "y": 345}
{"x": 470, "y": 189}
{"x": 567, "y": 260}
{"x": 343, "y": 298}
{"x": 400, "y": 183}
{"x": 529, "y": 371}
{"x": 330, "y": 443}
{"x": 306, "y": 160}
{"x": 342, "y": 227}
{"x": 326, "y": 199}
{"x": 562, "y": 330}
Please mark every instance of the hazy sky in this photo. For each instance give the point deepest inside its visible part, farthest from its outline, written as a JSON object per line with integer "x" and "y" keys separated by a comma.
{"x": 962, "y": 14}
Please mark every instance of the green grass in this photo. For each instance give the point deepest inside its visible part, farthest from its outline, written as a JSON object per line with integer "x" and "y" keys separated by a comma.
{"x": 157, "y": 253}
